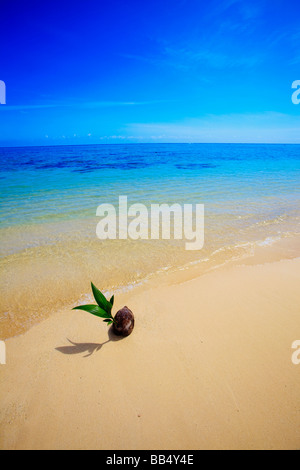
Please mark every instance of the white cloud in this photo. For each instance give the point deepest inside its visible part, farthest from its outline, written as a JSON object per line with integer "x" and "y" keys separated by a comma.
{"x": 268, "y": 127}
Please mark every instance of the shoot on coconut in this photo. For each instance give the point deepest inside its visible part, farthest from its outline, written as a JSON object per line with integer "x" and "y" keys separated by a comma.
{"x": 123, "y": 322}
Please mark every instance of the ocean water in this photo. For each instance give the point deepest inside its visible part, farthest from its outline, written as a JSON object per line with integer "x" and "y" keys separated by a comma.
{"x": 49, "y": 196}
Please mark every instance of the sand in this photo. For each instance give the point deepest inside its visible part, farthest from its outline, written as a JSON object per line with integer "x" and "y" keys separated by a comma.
{"x": 208, "y": 366}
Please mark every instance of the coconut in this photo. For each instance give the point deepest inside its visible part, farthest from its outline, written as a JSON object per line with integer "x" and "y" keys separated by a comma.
{"x": 123, "y": 322}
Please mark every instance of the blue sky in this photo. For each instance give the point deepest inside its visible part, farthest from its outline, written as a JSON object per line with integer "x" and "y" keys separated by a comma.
{"x": 132, "y": 71}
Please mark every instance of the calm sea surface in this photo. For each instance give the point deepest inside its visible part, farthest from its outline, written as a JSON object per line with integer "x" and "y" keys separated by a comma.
{"x": 49, "y": 196}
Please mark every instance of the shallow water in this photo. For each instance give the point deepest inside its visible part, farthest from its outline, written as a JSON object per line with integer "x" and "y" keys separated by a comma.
{"x": 49, "y": 196}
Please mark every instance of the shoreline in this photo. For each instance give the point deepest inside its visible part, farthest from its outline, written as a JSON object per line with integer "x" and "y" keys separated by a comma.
{"x": 256, "y": 252}
{"x": 208, "y": 366}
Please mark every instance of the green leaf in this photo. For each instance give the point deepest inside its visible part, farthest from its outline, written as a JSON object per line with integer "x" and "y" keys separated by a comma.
{"x": 101, "y": 300}
{"x": 112, "y": 300}
{"x": 94, "y": 310}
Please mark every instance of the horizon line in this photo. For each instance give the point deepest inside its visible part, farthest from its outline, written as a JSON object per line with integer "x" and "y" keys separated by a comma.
{"x": 148, "y": 143}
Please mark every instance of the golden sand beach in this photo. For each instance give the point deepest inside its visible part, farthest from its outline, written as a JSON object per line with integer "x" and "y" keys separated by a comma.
{"x": 151, "y": 151}
{"x": 208, "y": 366}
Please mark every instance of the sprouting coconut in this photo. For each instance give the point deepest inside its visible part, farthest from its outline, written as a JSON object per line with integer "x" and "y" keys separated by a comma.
{"x": 123, "y": 322}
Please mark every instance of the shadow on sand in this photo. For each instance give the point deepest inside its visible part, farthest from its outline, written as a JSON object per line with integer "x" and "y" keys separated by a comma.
{"x": 89, "y": 348}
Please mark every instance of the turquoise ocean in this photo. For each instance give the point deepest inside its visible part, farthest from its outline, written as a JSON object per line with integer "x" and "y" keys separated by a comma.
{"x": 49, "y": 197}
